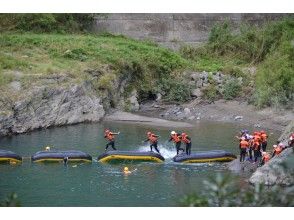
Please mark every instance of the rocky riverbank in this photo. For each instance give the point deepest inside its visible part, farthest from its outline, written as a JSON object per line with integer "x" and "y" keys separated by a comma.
{"x": 278, "y": 171}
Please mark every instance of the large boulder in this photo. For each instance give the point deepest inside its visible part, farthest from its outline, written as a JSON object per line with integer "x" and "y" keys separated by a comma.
{"x": 52, "y": 106}
{"x": 273, "y": 172}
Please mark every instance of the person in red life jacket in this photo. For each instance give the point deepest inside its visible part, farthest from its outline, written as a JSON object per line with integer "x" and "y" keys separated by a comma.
{"x": 110, "y": 137}
{"x": 277, "y": 150}
{"x": 265, "y": 158}
{"x": 263, "y": 137}
{"x": 244, "y": 145}
{"x": 255, "y": 143}
{"x": 291, "y": 140}
{"x": 153, "y": 139}
{"x": 187, "y": 140}
{"x": 176, "y": 138}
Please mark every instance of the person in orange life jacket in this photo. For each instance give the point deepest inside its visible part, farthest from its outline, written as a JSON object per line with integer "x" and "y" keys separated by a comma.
{"x": 263, "y": 137}
{"x": 265, "y": 158}
{"x": 291, "y": 140}
{"x": 153, "y": 139}
{"x": 244, "y": 145}
{"x": 255, "y": 143}
{"x": 110, "y": 137}
{"x": 277, "y": 150}
{"x": 187, "y": 140}
{"x": 245, "y": 133}
{"x": 176, "y": 138}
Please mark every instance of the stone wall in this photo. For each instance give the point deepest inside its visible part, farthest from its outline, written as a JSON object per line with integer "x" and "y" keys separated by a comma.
{"x": 172, "y": 30}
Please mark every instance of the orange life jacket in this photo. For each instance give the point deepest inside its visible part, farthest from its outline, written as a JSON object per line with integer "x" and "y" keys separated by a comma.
{"x": 152, "y": 138}
{"x": 176, "y": 138}
{"x": 266, "y": 158}
{"x": 263, "y": 137}
{"x": 109, "y": 136}
{"x": 278, "y": 150}
{"x": 244, "y": 144}
{"x": 185, "y": 139}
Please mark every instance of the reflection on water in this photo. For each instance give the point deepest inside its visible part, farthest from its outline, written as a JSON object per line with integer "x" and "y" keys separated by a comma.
{"x": 96, "y": 184}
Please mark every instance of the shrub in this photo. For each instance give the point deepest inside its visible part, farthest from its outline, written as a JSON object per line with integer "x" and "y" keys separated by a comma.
{"x": 222, "y": 191}
{"x": 210, "y": 93}
{"x": 106, "y": 81}
{"x": 275, "y": 78}
{"x": 175, "y": 89}
{"x": 232, "y": 89}
{"x": 46, "y": 22}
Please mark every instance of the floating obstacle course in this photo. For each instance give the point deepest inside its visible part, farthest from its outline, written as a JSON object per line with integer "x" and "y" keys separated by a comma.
{"x": 9, "y": 156}
{"x": 205, "y": 157}
{"x": 61, "y": 156}
{"x": 123, "y": 156}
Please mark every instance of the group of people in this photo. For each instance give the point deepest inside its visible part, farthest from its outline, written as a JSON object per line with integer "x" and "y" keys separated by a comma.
{"x": 255, "y": 145}
{"x": 152, "y": 138}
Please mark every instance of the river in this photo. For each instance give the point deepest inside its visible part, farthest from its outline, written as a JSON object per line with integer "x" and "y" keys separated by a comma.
{"x": 97, "y": 184}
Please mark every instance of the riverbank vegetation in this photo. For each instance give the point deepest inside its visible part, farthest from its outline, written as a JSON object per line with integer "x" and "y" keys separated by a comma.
{"x": 47, "y": 44}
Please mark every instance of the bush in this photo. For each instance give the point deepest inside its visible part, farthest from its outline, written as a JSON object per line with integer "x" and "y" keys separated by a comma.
{"x": 57, "y": 23}
{"x": 175, "y": 89}
{"x": 275, "y": 79}
{"x": 222, "y": 191}
{"x": 232, "y": 89}
{"x": 210, "y": 93}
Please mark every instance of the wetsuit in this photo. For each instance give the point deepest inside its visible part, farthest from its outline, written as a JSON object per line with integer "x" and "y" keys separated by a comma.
{"x": 110, "y": 137}
{"x": 177, "y": 140}
{"x": 153, "y": 142}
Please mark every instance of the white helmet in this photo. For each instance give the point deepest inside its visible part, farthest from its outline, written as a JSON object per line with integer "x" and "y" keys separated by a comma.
{"x": 173, "y": 132}
{"x": 274, "y": 146}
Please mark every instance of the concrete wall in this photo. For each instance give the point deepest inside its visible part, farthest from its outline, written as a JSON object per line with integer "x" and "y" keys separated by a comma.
{"x": 172, "y": 30}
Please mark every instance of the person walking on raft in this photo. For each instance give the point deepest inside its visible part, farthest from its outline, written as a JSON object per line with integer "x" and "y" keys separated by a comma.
{"x": 187, "y": 140}
{"x": 153, "y": 139}
{"x": 110, "y": 137}
{"x": 176, "y": 138}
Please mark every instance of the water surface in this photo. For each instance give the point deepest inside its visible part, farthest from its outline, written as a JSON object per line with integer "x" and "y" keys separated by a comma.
{"x": 97, "y": 184}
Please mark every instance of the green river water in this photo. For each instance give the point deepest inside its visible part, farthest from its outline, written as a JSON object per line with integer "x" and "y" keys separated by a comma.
{"x": 97, "y": 184}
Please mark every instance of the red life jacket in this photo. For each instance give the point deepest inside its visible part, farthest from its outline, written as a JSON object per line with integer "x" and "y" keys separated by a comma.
{"x": 109, "y": 136}
{"x": 244, "y": 144}
{"x": 263, "y": 137}
{"x": 278, "y": 150}
{"x": 152, "y": 138}
{"x": 266, "y": 158}
{"x": 185, "y": 139}
{"x": 176, "y": 138}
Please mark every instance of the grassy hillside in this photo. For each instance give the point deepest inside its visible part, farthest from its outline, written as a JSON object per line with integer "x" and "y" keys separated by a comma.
{"x": 151, "y": 67}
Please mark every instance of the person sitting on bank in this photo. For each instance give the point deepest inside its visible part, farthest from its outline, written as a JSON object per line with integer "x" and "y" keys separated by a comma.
{"x": 277, "y": 150}
{"x": 153, "y": 139}
{"x": 187, "y": 140}
{"x": 176, "y": 138}
{"x": 110, "y": 137}
{"x": 265, "y": 158}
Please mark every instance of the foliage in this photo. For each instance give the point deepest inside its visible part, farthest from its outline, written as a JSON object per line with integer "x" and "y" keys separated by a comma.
{"x": 11, "y": 201}
{"x": 46, "y": 23}
{"x": 175, "y": 89}
{"x": 210, "y": 93}
{"x": 222, "y": 191}
{"x": 275, "y": 79}
{"x": 232, "y": 89}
